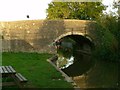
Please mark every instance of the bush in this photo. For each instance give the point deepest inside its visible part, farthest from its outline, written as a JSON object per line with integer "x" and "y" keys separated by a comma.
{"x": 107, "y": 41}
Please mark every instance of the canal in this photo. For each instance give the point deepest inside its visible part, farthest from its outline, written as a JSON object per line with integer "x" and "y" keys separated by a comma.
{"x": 75, "y": 59}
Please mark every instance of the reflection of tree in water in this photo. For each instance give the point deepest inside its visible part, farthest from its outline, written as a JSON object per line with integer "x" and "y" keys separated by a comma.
{"x": 70, "y": 60}
{"x": 65, "y": 52}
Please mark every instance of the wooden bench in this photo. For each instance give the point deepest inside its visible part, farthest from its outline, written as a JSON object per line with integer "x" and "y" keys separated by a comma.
{"x": 9, "y": 72}
{"x": 20, "y": 79}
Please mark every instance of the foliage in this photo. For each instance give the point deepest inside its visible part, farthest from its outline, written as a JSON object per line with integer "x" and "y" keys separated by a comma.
{"x": 109, "y": 35}
{"x": 66, "y": 47}
{"x": 107, "y": 32}
{"x": 108, "y": 38}
{"x": 75, "y": 10}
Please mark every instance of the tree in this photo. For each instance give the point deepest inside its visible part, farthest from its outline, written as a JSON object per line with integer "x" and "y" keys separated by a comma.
{"x": 75, "y": 10}
{"x": 117, "y": 6}
{"x": 108, "y": 37}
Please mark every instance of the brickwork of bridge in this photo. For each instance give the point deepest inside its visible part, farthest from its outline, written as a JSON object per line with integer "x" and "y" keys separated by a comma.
{"x": 38, "y": 35}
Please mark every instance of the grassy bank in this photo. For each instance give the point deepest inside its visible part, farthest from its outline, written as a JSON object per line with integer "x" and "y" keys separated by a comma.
{"x": 36, "y": 69}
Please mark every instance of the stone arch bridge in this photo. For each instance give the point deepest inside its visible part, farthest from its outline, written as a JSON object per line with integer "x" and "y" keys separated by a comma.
{"x": 38, "y": 35}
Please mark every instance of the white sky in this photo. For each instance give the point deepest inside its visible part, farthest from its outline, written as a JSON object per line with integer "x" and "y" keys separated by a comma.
{"x": 11, "y": 10}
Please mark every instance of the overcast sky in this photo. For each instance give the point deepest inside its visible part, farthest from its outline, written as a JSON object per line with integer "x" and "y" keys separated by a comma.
{"x": 11, "y": 10}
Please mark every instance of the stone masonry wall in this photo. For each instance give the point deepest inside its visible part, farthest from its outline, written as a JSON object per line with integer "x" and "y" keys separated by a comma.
{"x": 38, "y": 35}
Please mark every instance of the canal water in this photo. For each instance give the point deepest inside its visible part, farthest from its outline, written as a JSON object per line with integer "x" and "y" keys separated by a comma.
{"x": 74, "y": 58}
{"x": 74, "y": 55}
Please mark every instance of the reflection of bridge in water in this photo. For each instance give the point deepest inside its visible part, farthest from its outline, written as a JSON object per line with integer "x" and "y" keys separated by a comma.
{"x": 97, "y": 76}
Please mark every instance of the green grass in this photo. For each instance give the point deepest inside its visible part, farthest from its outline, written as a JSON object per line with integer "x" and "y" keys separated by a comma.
{"x": 36, "y": 69}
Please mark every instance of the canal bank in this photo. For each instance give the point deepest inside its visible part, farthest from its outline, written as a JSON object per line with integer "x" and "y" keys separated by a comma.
{"x": 67, "y": 78}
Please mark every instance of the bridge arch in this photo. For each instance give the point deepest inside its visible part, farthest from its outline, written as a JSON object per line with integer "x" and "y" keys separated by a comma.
{"x": 76, "y": 33}
{"x": 83, "y": 49}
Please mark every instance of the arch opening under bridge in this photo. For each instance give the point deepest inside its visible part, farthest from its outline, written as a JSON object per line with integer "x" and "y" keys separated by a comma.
{"x": 80, "y": 47}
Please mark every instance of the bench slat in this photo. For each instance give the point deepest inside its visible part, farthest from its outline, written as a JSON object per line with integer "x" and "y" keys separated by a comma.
{"x": 10, "y": 67}
{"x": 24, "y": 79}
{"x": 4, "y": 69}
{"x": 20, "y": 77}
{"x": 1, "y": 71}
